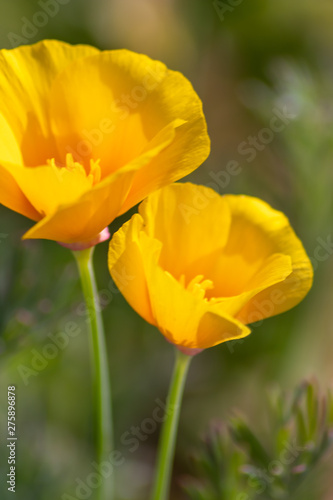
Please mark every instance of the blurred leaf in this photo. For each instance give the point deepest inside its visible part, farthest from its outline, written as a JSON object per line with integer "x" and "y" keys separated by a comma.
{"x": 243, "y": 466}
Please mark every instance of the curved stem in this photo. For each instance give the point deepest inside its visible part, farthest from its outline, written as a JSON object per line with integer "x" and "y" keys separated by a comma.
{"x": 169, "y": 431}
{"x": 101, "y": 369}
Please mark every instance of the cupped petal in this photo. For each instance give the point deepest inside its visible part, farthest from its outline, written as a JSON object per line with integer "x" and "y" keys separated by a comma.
{"x": 216, "y": 327}
{"x": 10, "y": 193}
{"x": 126, "y": 264}
{"x": 89, "y": 214}
{"x": 282, "y": 296}
{"x": 26, "y": 77}
{"x": 11, "y": 196}
{"x": 257, "y": 240}
{"x": 190, "y": 147}
{"x": 89, "y": 114}
{"x": 273, "y": 235}
{"x": 273, "y": 272}
{"x": 9, "y": 146}
{"x": 134, "y": 98}
{"x": 82, "y": 220}
{"x": 182, "y": 216}
{"x": 48, "y": 187}
{"x": 183, "y": 318}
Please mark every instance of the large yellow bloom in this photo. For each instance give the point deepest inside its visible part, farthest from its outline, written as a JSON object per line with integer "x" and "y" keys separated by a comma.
{"x": 201, "y": 266}
{"x": 85, "y": 135}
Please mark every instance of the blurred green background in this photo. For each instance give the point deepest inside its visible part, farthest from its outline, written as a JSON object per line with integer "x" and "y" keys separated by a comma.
{"x": 248, "y": 62}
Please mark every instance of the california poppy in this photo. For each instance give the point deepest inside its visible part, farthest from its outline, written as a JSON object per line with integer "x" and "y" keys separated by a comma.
{"x": 87, "y": 134}
{"x": 202, "y": 267}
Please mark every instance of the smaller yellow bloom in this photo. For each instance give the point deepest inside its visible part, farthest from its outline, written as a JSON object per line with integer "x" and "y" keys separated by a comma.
{"x": 201, "y": 267}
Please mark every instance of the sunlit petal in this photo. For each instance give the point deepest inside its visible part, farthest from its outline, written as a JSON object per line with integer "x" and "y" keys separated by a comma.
{"x": 206, "y": 266}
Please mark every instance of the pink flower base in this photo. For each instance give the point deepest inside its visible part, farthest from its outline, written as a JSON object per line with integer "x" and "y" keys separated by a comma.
{"x": 185, "y": 350}
{"x": 188, "y": 351}
{"x": 102, "y": 236}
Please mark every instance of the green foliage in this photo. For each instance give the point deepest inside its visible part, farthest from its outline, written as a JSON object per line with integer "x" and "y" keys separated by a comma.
{"x": 235, "y": 464}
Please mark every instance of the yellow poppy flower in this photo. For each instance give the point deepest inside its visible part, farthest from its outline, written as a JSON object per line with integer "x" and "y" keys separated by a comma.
{"x": 201, "y": 266}
{"x": 85, "y": 135}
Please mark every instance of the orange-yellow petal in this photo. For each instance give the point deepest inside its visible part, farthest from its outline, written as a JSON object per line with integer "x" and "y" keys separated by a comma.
{"x": 115, "y": 109}
{"x": 48, "y": 187}
{"x": 84, "y": 219}
{"x": 128, "y": 269}
{"x": 26, "y": 77}
{"x": 200, "y": 276}
{"x": 274, "y": 271}
{"x": 156, "y": 295}
{"x": 133, "y": 99}
{"x": 190, "y": 147}
{"x": 9, "y": 146}
{"x": 179, "y": 216}
{"x": 86, "y": 216}
{"x": 94, "y": 113}
{"x": 272, "y": 233}
{"x": 10, "y": 194}
{"x": 13, "y": 197}
{"x": 184, "y": 318}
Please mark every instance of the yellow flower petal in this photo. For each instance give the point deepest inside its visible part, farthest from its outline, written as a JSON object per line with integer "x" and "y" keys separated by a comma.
{"x": 133, "y": 99}
{"x": 190, "y": 147}
{"x": 179, "y": 218}
{"x": 279, "y": 238}
{"x": 10, "y": 150}
{"x": 13, "y": 197}
{"x": 201, "y": 262}
{"x": 10, "y": 194}
{"x": 110, "y": 111}
{"x": 183, "y": 317}
{"x": 156, "y": 295}
{"x": 82, "y": 220}
{"x": 48, "y": 187}
{"x": 127, "y": 262}
{"x": 89, "y": 114}
{"x": 274, "y": 271}
{"x": 87, "y": 215}
{"x": 26, "y": 76}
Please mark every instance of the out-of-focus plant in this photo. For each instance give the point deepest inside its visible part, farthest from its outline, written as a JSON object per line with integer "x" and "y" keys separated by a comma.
{"x": 303, "y": 148}
{"x": 235, "y": 464}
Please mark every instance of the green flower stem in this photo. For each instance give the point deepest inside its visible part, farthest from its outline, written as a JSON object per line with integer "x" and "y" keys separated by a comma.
{"x": 169, "y": 431}
{"x": 101, "y": 369}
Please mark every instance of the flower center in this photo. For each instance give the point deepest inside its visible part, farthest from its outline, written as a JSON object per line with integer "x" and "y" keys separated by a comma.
{"x": 93, "y": 176}
{"x": 198, "y": 286}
